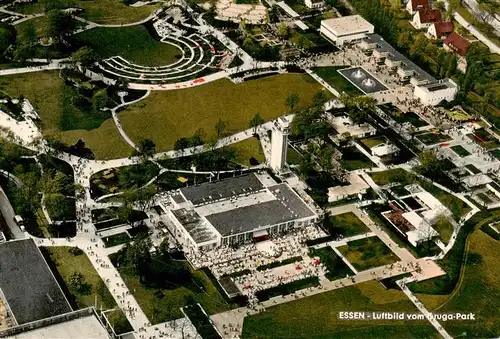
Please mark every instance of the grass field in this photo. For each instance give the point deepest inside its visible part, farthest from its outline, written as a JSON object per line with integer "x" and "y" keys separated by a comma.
{"x": 372, "y": 142}
{"x": 479, "y": 291}
{"x": 337, "y": 268}
{"x": 318, "y": 316}
{"x": 67, "y": 263}
{"x": 249, "y": 148}
{"x": 165, "y": 116}
{"x": 102, "y": 11}
{"x": 336, "y": 80}
{"x": 167, "y": 307}
{"x": 46, "y": 98}
{"x": 461, "y": 152}
{"x": 384, "y": 177}
{"x": 368, "y": 253}
{"x": 132, "y": 43}
{"x": 352, "y": 159}
{"x": 348, "y": 224}
{"x": 433, "y": 138}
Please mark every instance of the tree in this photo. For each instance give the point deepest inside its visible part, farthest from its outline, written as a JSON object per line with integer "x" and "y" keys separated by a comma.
{"x": 137, "y": 253}
{"x": 319, "y": 99}
{"x": 59, "y": 25}
{"x": 146, "y": 148}
{"x": 220, "y": 127}
{"x": 29, "y": 33}
{"x": 282, "y": 30}
{"x": 255, "y": 122}
{"x": 7, "y": 38}
{"x": 440, "y": 5}
{"x": 100, "y": 100}
{"x": 274, "y": 14}
{"x": 78, "y": 284}
{"x": 292, "y": 102}
{"x": 85, "y": 56}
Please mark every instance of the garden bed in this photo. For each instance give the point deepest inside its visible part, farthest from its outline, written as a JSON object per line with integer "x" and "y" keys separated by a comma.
{"x": 286, "y": 289}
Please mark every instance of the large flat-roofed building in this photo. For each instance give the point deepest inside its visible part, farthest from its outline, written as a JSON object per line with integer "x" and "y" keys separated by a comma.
{"x": 27, "y": 284}
{"x": 434, "y": 93}
{"x": 346, "y": 29}
{"x": 235, "y": 210}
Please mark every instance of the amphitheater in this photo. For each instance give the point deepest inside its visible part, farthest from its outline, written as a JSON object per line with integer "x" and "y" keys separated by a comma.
{"x": 201, "y": 54}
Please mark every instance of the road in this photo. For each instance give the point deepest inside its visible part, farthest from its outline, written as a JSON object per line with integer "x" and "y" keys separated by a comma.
{"x": 8, "y": 214}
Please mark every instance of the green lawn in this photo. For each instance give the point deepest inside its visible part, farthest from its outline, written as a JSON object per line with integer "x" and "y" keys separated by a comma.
{"x": 292, "y": 156}
{"x": 393, "y": 175}
{"x": 249, "y": 148}
{"x": 132, "y": 43}
{"x": 47, "y": 98}
{"x": 348, "y": 224}
{"x": 372, "y": 142}
{"x": 460, "y": 151}
{"x": 352, "y": 159}
{"x": 318, "y": 316}
{"x": 167, "y": 307}
{"x": 337, "y": 268}
{"x": 478, "y": 292}
{"x": 180, "y": 113}
{"x": 336, "y": 80}
{"x": 66, "y": 263}
{"x": 102, "y": 11}
{"x": 433, "y": 138}
{"x": 368, "y": 253}
{"x": 116, "y": 239}
{"x": 445, "y": 229}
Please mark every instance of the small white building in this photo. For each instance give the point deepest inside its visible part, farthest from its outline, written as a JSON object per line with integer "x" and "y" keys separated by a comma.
{"x": 436, "y": 92}
{"x": 342, "y": 124}
{"x": 357, "y": 186}
{"x": 440, "y": 30}
{"x": 314, "y": 4}
{"x": 346, "y": 29}
{"x": 421, "y": 231}
{"x": 384, "y": 149}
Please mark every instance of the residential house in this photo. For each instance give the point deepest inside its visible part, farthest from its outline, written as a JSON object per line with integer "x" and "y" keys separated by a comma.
{"x": 440, "y": 30}
{"x": 423, "y": 19}
{"x": 458, "y": 44}
{"x": 417, "y": 5}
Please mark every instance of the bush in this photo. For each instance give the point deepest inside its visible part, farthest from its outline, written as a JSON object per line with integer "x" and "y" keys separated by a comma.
{"x": 279, "y": 263}
{"x": 286, "y": 289}
{"x": 75, "y": 251}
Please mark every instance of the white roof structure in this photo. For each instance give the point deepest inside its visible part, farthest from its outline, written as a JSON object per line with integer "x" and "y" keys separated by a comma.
{"x": 356, "y": 185}
{"x": 477, "y": 180}
{"x": 384, "y": 149}
{"x": 348, "y": 25}
{"x": 300, "y": 24}
{"x": 343, "y": 124}
{"x": 288, "y": 9}
{"x": 422, "y": 230}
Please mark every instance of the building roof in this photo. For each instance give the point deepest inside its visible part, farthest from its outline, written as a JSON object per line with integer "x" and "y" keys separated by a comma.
{"x": 443, "y": 28}
{"x": 384, "y": 149}
{"x": 346, "y": 25}
{"x": 344, "y": 124}
{"x": 222, "y": 189}
{"x": 27, "y": 283}
{"x": 79, "y": 328}
{"x": 286, "y": 207}
{"x": 429, "y": 15}
{"x": 394, "y": 54}
{"x": 197, "y": 228}
{"x": 457, "y": 43}
{"x": 421, "y": 231}
{"x": 419, "y": 4}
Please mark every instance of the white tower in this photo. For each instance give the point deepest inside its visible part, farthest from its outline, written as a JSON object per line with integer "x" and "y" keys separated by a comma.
{"x": 279, "y": 144}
